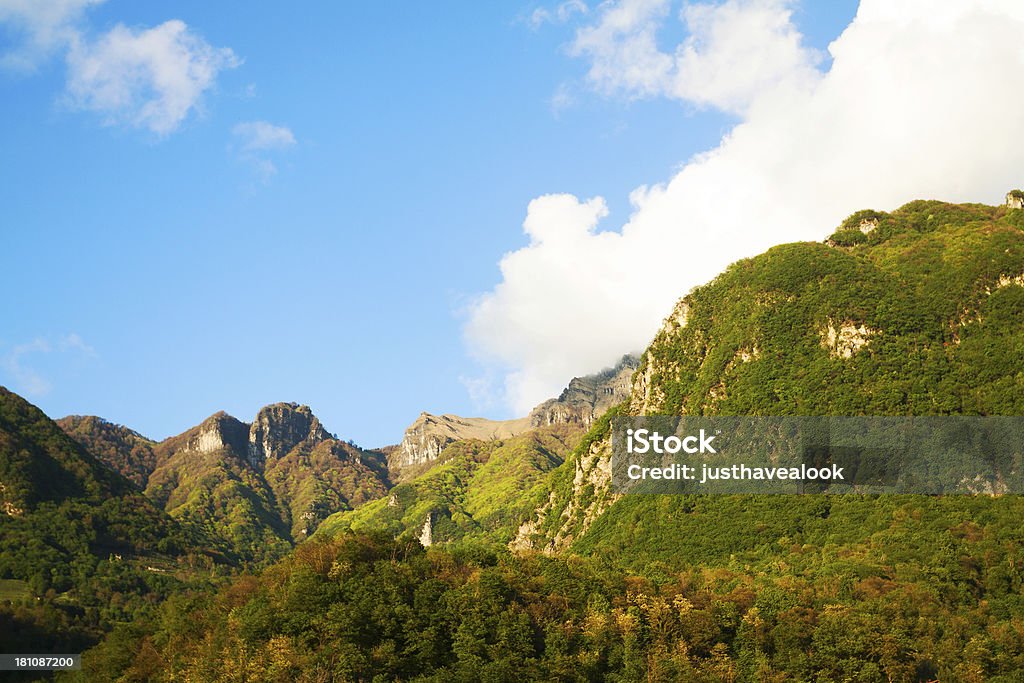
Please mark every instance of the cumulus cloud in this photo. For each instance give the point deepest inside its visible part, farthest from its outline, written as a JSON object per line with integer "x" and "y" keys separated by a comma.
{"x": 734, "y": 51}
{"x": 26, "y": 379}
{"x": 149, "y": 78}
{"x": 256, "y": 139}
{"x": 899, "y": 115}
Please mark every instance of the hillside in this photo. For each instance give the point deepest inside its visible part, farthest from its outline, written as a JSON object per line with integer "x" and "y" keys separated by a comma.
{"x": 61, "y": 504}
{"x": 80, "y": 547}
{"x": 476, "y": 488}
{"x": 428, "y": 436}
{"x": 204, "y": 479}
{"x": 917, "y": 312}
{"x": 459, "y": 477}
{"x": 116, "y": 446}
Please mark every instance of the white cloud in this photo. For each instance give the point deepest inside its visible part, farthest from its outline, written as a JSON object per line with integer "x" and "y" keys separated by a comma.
{"x": 733, "y": 52}
{"x": 259, "y": 136}
{"x": 559, "y": 15}
{"x": 623, "y": 50}
{"x": 256, "y": 139}
{"x": 73, "y": 342}
{"x": 44, "y": 25}
{"x": 26, "y": 379}
{"x": 920, "y": 102}
{"x": 150, "y": 78}
{"x": 561, "y": 100}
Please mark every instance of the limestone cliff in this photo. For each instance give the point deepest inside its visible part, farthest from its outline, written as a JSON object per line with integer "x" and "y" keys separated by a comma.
{"x": 425, "y": 438}
{"x": 587, "y": 398}
{"x": 583, "y": 401}
{"x": 279, "y": 428}
{"x": 220, "y": 434}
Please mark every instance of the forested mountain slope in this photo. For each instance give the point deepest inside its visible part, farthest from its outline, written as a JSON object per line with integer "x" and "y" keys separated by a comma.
{"x": 917, "y": 312}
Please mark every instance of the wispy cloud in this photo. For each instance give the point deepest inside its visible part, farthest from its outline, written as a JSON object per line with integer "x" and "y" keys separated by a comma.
{"x": 558, "y": 15}
{"x": 482, "y": 391}
{"x": 561, "y": 99}
{"x": 734, "y": 51}
{"x": 18, "y": 366}
{"x": 147, "y": 78}
{"x": 44, "y": 27}
{"x": 260, "y": 136}
{"x": 257, "y": 140}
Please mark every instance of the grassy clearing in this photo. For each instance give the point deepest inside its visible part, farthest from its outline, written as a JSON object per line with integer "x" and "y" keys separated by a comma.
{"x": 14, "y": 590}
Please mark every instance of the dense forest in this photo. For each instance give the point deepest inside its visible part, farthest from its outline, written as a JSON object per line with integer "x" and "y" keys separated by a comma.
{"x": 932, "y": 590}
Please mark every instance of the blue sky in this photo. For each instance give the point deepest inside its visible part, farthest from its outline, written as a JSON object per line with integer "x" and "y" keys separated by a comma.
{"x": 155, "y": 276}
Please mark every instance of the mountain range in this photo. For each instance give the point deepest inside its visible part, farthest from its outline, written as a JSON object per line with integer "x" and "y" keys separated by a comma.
{"x": 477, "y": 549}
{"x": 255, "y": 489}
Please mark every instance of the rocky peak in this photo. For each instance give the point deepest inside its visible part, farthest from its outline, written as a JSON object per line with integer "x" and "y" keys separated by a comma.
{"x": 429, "y": 434}
{"x": 218, "y": 432}
{"x": 279, "y": 428}
{"x": 582, "y": 402}
{"x": 587, "y": 398}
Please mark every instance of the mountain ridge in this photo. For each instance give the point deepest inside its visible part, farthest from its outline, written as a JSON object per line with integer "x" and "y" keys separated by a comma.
{"x": 261, "y": 486}
{"x": 582, "y": 400}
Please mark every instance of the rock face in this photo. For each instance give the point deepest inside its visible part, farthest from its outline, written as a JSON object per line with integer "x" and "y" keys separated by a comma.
{"x": 845, "y": 339}
{"x": 430, "y": 434}
{"x": 218, "y": 432}
{"x": 647, "y": 395}
{"x": 279, "y": 428}
{"x": 868, "y": 225}
{"x": 1015, "y": 199}
{"x": 426, "y": 536}
{"x": 587, "y": 398}
{"x": 582, "y": 402}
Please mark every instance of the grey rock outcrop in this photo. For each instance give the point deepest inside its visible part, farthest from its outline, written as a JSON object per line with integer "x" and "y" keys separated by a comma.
{"x": 279, "y": 428}
{"x": 587, "y": 398}
{"x": 582, "y": 402}
{"x": 426, "y": 536}
{"x": 430, "y": 434}
{"x": 218, "y": 432}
